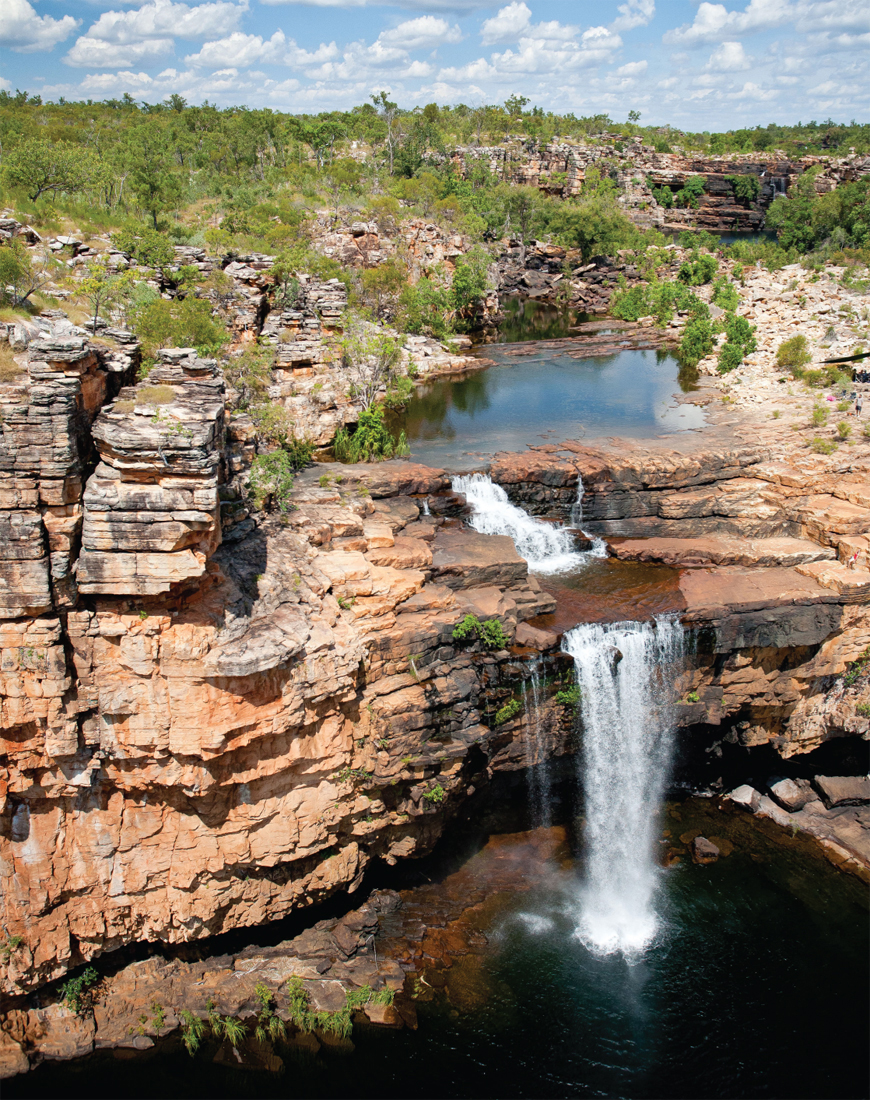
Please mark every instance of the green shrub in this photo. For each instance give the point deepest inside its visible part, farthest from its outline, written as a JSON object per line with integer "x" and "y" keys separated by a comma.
{"x": 568, "y": 697}
{"x": 857, "y": 668}
{"x": 793, "y": 353}
{"x": 146, "y": 246}
{"x": 372, "y": 441}
{"x": 822, "y": 446}
{"x": 435, "y": 795}
{"x": 510, "y": 710}
{"x": 77, "y": 992}
{"x": 725, "y": 295}
{"x": 844, "y": 429}
{"x": 698, "y": 270}
{"x": 271, "y": 481}
{"x": 490, "y": 633}
{"x": 820, "y": 416}
{"x": 697, "y": 342}
{"x": 691, "y": 192}
{"x": 730, "y": 358}
{"x": 179, "y": 324}
{"x": 746, "y": 188}
{"x": 739, "y": 331}
{"x": 192, "y": 1030}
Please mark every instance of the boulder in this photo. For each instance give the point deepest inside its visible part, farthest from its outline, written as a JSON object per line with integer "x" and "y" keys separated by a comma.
{"x": 791, "y": 794}
{"x": 843, "y": 790}
{"x": 704, "y": 851}
{"x": 745, "y": 796}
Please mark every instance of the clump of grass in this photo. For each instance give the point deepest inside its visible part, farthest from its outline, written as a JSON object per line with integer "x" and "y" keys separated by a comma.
{"x": 844, "y": 429}
{"x": 155, "y": 395}
{"x": 10, "y": 369}
{"x": 510, "y": 710}
{"x": 822, "y": 446}
{"x": 568, "y": 697}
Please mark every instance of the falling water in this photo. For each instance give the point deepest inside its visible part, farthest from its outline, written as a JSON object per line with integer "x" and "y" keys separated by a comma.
{"x": 535, "y": 743}
{"x": 599, "y": 546}
{"x": 626, "y": 673}
{"x": 546, "y": 547}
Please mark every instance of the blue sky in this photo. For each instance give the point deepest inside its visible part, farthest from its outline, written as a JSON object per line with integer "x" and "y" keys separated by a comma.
{"x": 696, "y": 65}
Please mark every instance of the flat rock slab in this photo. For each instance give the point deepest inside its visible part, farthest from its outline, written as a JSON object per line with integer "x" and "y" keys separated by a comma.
{"x": 467, "y": 559}
{"x": 722, "y": 550}
{"x": 714, "y": 593}
{"x": 844, "y": 790}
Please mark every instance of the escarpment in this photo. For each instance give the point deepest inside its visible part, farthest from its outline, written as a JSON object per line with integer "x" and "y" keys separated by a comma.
{"x": 201, "y": 736}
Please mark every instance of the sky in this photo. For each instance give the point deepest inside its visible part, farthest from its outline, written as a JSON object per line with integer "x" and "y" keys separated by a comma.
{"x": 695, "y": 65}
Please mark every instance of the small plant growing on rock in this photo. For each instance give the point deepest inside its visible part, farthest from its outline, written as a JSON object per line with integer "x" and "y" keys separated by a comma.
{"x": 77, "y": 993}
{"x": 490, "y": 634}
{"x": 510, "y": 710}
{"x": 857, "y": 668}
{"x": 159, "y": 1018}
{"x": 863, "y": 709}
{"x": 793, "y": 354}
{"x": 568, "y": 697}
{"x": 820, "y": 416}
{"x": 822, "y": 446}
{"x": 844, "y": 429}
{"x": 9, "y": 945}
{"x": 234, "y": 1030}
{"x": 192, "y": 1030}
{"x": 271, "y": 481}
{"x": 436, "y": 795}
{"x": 692, "y": 697}
{"x": 776, "y": 414}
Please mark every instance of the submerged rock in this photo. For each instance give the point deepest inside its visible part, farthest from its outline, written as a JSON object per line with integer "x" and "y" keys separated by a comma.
{"x": 704, "y": 851}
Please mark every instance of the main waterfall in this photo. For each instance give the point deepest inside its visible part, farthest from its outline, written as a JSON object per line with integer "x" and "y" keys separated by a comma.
{"x": 546, "y": 547}
{"x": 626, "y": 674}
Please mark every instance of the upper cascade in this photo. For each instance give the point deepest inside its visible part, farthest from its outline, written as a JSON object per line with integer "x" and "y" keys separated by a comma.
{"x": 546, "y": 547}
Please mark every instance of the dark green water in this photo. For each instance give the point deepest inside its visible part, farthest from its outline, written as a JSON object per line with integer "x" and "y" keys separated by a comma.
{"x": 757, "y": 988}
{"x": 527, "y": 319}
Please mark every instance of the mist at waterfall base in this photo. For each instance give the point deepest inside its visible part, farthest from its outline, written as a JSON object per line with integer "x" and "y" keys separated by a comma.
{"x": 549, "y": 396}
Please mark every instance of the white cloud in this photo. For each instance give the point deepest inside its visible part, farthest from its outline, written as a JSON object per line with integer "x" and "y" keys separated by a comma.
{"x": 426, "y": 32}
{"x": 633, "y": 13}
{"x": 506, "y": 25}
{"x": 135, "y": 37}
{"x": 243, "y": 50}
{"x": 713, "y": 22}
{"x": 730, "y": 57}
{"x": 409, "y": 5}
{"x": 24, "y": 31}
{"x": 99, "y": 54}
{"x": 633, "y": 68}
{"x": 754, "y": 92}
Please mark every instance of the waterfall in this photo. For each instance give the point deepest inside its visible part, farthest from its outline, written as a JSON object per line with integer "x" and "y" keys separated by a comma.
{"x": 626, "y": 673}
{"x": 599, "y": 546}
{"x": 535, "y": 744}
{"x": 546, "y": 547}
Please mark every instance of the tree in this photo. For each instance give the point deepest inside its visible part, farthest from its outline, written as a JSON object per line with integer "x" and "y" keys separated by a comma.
{"x": 383, "y": 284}
{"x": 152, "y": 174}
{"x": 523, "y": 207}
{"x": 103, "y": 285}
{"x": 634, "y": 117}
{"x": 370, "y": 358}
{"x": 43, "y": 167}
{"x": 388, "y": 111}
{"x": 19, "y": 275}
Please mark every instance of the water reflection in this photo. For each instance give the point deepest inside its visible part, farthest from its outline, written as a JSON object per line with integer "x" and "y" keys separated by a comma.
{"x": 549, "y": 394}
{"x": 526, "y": 319}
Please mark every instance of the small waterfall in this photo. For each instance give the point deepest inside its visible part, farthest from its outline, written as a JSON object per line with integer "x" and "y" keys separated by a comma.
{"x": 426, "y": 511}
{"x": 535, "y": 744}
{"x": 546, "y": 547}
{"x": 626, "y": 673}
{"x": 599, "y": 546}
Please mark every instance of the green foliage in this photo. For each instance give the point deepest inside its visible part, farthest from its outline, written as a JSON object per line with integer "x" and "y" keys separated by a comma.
{"x": 426, "y": 308}
{"x": 146, "y": 246}
{"x": 372, "y": 440}
{"x": 863, "y": 709}
{"x": 41, "y": 167}
{"x": 271, "y": 482}
{"x": 159, "y": 1018}
{"x": 510, "y": 710}
{"x": 820, "y": 416}
{"x": 657, "y": 299}
{"x": 77, "y": 992}
{"x": 192, "y": 1030}
{"x": 697, "y": 342}
{"x": 746, "y": 187}
{"x": 691, "y": 192}
{"x": 470, "y": 282}
{"x": 269, "y": 1023}
{"x": 698, "y": 270}
{"x": 857, "y": 668}
{"x": 594, "y": 222}
{"x": 844, "y": 429}
{"x": 10, "y": 944}
{"x": 180, "y": 324}
{"x": 21, "y": 273}
{"x": 822, "y": 446}
{"x": 739, "y": 332}
{"x": 490, "y": 633}
{"x": 725, "y": 295}
{"x": 435, "y": 794}
{"x": 730, "y": 358}
{"x": 339, "y": 1023}
{"x": 234, "y": 1030}
{"x": 792, "y": 354}
{"x": 568, "y": 697}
